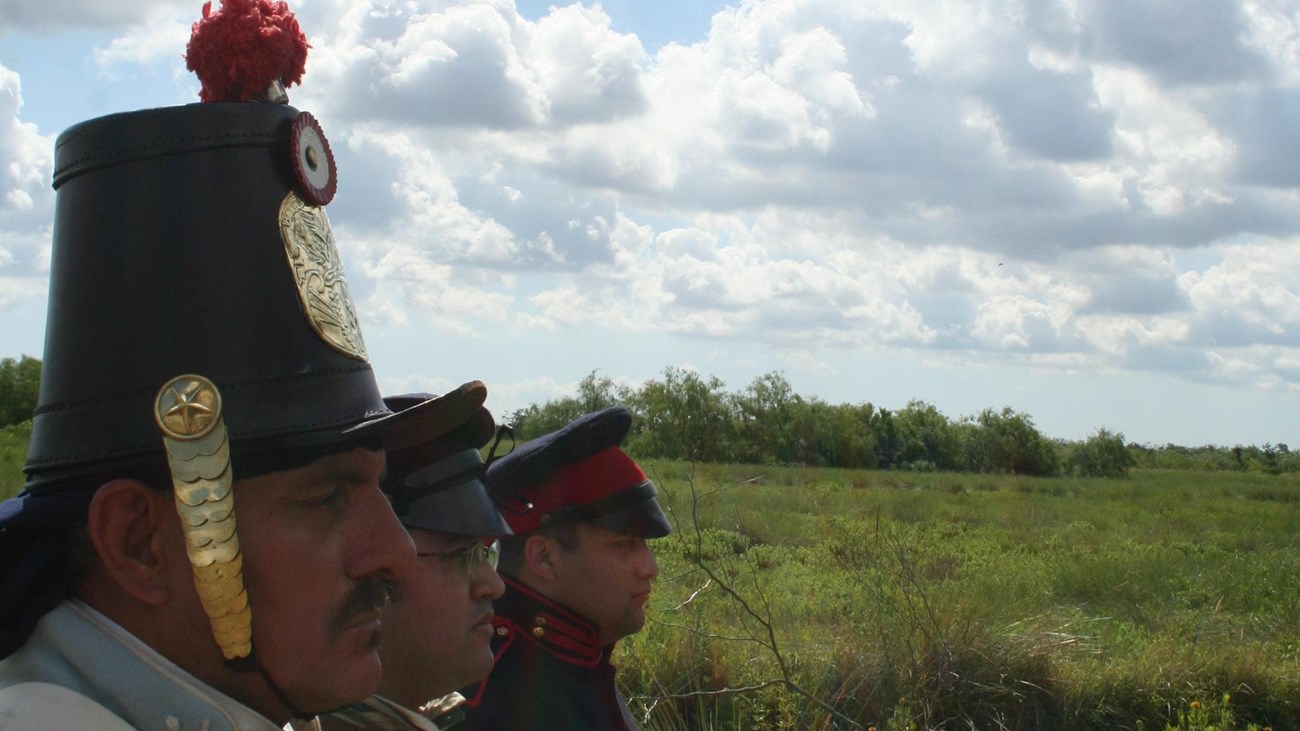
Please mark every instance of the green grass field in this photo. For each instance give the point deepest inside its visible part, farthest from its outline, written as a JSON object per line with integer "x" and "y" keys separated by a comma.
{"x": 805, "y": 599}
{"x": 966, "y": 601}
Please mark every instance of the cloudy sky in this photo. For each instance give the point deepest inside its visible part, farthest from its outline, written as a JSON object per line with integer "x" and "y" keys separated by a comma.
{"x": 1086, "y": 210}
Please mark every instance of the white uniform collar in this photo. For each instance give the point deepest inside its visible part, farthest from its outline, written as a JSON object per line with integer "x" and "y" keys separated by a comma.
{"x": 79, "y": 648}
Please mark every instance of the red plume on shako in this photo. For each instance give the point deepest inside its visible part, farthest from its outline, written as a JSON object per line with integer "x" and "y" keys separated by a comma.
{"x": 243, "y": 48}
{"x": 252, "y": 50}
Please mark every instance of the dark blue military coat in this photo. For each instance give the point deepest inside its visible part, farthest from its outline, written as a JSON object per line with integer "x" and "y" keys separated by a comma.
{"x": 550, "y": 672}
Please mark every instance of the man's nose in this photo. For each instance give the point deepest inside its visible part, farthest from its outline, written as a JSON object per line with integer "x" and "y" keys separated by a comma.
{"x": 647, "y": 566}
{"x": 486, "y": 583}
{"x": 382, "y": 547}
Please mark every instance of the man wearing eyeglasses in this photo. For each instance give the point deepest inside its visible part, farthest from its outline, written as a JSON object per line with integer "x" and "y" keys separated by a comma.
{"x": 578, "y": 573}
{"x": 438, "y": 630}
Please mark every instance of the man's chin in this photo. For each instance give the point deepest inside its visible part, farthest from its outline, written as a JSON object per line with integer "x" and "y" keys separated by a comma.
{"x": 477, "y": 671}
{"x": 357, "y": 687}
{"x": 361, "y": 679}
{"x": 344, "y": 691}
{"x": 635, "y": 622}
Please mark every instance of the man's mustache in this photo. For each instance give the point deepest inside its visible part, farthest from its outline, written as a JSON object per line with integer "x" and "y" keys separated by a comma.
{"x": 370, "y": 595}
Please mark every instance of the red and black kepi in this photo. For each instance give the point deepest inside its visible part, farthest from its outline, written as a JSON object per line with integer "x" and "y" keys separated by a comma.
{"x": 578, "y": 472}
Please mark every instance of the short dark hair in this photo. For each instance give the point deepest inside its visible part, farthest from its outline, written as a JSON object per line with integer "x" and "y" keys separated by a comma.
{"x": 564, "y": 534}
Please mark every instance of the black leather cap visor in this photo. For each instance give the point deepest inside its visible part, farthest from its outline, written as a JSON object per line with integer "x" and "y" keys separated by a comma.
{"x": 633, "y": 512}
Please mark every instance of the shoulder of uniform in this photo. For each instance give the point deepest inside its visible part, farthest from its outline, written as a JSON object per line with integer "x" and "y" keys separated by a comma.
{"x": 35, "y": 705}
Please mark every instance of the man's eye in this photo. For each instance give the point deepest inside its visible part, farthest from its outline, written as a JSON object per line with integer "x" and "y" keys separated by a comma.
{"x": 327, "y": 499}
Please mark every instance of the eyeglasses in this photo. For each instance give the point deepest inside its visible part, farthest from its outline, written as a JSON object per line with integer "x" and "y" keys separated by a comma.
{"x": 472, "y": 557}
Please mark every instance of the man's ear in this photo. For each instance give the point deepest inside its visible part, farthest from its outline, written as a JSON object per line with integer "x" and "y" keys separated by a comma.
{"x": 128, "y": 527}
{"x": 539, "y": 556}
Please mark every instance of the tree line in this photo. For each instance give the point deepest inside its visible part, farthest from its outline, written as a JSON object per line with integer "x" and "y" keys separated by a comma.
{"x": 685, "y": 415}
{"x": 688, "y": 416}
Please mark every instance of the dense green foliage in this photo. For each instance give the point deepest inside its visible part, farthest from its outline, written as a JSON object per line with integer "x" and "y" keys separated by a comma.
{"x": 948, "y": 601}
{"x": 688, "y": 416}
{"x": 20, "y": 381}
{"x": 1102, "y": 455}
{"x": 19, "y": 385}
{"x": 13, "y": 452}
{"x": 1268, "y": 459}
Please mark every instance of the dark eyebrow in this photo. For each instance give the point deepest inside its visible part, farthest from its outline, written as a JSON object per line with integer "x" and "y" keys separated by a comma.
{"x": 345, "y": 472}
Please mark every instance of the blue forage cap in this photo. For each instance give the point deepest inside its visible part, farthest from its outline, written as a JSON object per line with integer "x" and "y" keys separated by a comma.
{"x": 438, "y": 484}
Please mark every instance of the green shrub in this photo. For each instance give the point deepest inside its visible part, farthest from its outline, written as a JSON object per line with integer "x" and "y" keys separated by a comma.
{"x": 13, "y": 452}
{"x": 1100, "y": 455}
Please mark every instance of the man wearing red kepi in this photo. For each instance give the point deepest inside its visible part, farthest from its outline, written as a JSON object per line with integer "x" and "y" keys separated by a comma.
{"x": 203, "y": 363}
{"x": 578, "y": 574}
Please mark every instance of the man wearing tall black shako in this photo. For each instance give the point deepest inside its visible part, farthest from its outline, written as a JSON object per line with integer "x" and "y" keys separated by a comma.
{"x": 578, "y": 574}
{"x": 202, "y": 542}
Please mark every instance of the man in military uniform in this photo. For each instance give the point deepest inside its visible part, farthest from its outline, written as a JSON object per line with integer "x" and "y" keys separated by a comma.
{"x": 437, "y": 632}
{"x": 202, "y": 362}
{"x": 577, "y": 572}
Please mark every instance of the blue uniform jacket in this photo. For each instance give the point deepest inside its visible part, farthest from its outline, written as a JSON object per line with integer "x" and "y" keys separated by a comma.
{"x": 550, "y": 672}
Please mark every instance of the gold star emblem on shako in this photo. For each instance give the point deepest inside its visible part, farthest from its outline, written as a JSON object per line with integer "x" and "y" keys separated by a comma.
{"x": 188, "y": 407}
